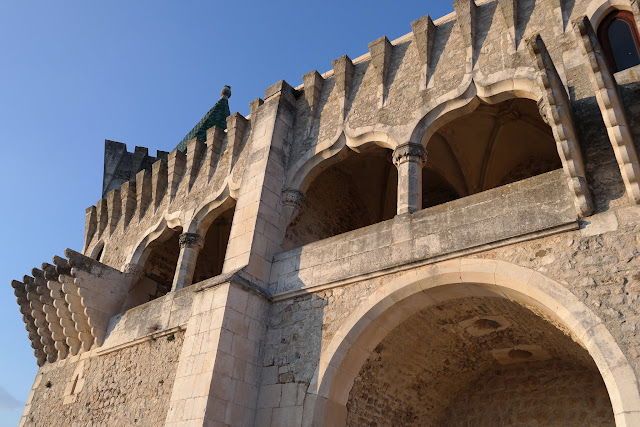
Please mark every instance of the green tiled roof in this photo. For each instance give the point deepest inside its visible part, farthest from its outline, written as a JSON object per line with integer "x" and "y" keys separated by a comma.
{"x": 216, "y": 116}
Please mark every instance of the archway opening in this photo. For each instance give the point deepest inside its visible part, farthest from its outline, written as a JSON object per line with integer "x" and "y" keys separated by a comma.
{"x": 211, "y": 257}
{"x": 478, "y": 361}
{"x": 492, "y": 146}
{"x": 358, "y": 191}
{"x": 159, "y": 260}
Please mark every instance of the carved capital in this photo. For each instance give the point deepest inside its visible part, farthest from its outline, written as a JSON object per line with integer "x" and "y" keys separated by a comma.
{"x": 293, "y": 198}
{"x": 542, "y": 107}
{"x": 292, "y": 202}
{"x": 191, "y": 241}
{"x": 134, "y": 271}
{"x": 409, "y": 152}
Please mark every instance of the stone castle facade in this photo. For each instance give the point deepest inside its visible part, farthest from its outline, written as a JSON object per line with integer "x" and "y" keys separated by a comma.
{"x": 444, "y": 231}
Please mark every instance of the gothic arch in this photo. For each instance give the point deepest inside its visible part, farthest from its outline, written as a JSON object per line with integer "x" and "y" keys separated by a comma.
{"x": 97, "y": 251}
{"x": 458, "y": 106}
{"x": 389, "y": 306}
{"x": 161, "y": 231}
{"x": 552, "y": 99}
{"x": 599, "y": 9}
{"x": 213, "y": 207}
{"x": 327, "y": 153}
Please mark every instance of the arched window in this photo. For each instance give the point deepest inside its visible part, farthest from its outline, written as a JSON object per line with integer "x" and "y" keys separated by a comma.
{"x": 492, "y": 146}
{"x": 618, "y": 35}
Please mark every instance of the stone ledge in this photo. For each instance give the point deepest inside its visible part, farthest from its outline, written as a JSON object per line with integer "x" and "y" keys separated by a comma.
{"x": 150, "y": 337}
{"x": 339, "y": 283}
{"x": 523, "y": 209}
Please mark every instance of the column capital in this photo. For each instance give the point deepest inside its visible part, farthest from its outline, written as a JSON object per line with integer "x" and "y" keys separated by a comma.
{"x": 292, "y": 202}
{"x": 191, "y": 241}
{"x": 135, "y": 271}
{"x": 293, "y": 198}
{"x": 409, "y": 152}
{"x": 543, "y": 106}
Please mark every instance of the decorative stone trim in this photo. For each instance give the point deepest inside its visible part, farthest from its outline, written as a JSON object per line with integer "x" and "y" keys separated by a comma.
{"x": 191, "y": 241}
{"x": 542, "y": 108}
{"x": 611, "y": 107}
{"x": 293, "y": 198}
{"x": 409, "y": 152}
{"x": 292, "y": 202}
{"x": 560, "y": 117}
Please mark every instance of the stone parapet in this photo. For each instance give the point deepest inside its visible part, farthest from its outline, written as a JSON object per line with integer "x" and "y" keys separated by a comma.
{"x": 515, "y": 210}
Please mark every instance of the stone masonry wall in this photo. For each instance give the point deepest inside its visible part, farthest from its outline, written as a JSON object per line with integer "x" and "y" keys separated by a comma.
{"x": 598, "y": 263}
{"x": 420, "y": 368}
{"x": 131, "y": 387}
{"x": 317, "y": 287}
{"x": 331, "y": 208}
{"x": 549, "y": 393}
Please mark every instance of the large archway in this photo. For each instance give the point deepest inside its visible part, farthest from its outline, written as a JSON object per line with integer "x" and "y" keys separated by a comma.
{"x": 484, "y": 298}
{"x": 478, "y": 361}
{"x": 490, "y": 146}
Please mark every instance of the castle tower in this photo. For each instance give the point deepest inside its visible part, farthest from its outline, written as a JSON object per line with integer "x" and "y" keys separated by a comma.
{"x": 443, "y": 231}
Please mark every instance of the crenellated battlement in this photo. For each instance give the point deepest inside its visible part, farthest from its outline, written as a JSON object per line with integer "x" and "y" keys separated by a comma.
{"x": 477, "y": 175}
{"x": 205, "y": 166}
{"x": 121, "y": 165}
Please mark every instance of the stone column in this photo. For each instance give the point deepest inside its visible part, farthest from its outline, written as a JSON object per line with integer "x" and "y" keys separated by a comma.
{"x": 190, "y": 245}
{"x": 409, "y": 159}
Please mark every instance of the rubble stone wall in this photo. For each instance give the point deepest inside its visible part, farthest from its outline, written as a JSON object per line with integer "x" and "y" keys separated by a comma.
{"x": 131, "y": 386}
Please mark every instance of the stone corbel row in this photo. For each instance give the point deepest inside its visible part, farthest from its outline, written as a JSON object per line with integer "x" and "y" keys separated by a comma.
{"x": 611, "y": 107}
{"x": 142, "y": 196}
{"x": 67, "y": 305}
{"x": 20, "y": 291}
{"x": 557, "y": 112}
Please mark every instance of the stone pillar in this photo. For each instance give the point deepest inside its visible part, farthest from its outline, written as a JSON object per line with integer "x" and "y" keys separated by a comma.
{"x": 190, "y": 245}
{"x": 409, "y": 159}
{"x": 218, "y": 373}
{"x": 259, "y": 225}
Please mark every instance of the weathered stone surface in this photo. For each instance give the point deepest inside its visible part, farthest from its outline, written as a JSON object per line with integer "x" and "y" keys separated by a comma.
{"x": 326, "y": 292}
{"x": 127, "y": 387}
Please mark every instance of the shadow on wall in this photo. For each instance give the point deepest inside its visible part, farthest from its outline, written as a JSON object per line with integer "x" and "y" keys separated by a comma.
{"x": 358, "y": 191}
{"x": 161, "y": 260}
{"x": 493, "y": 146}
{"x": 602, "y": 171}
{"x": 292, "y": 347}
{"x": 211, "y": 256}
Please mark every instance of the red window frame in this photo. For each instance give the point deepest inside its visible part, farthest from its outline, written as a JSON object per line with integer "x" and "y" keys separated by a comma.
{"x": 603, "y": 34}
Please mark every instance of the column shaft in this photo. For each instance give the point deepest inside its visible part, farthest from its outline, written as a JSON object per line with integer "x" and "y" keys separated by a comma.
{"x": 409, "y": 159}
{"x": 190, "y": 245}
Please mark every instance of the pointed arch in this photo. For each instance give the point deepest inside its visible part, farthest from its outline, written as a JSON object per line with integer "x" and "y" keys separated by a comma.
{"x": 457, "y": 106}
{"x": 327, "y": 153}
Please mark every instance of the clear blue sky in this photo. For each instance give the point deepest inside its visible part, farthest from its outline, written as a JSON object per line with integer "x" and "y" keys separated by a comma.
{"x": 75, "y": 73}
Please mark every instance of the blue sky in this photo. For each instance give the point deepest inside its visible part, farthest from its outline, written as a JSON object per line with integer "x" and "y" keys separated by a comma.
{"x": 75, "y": 73}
